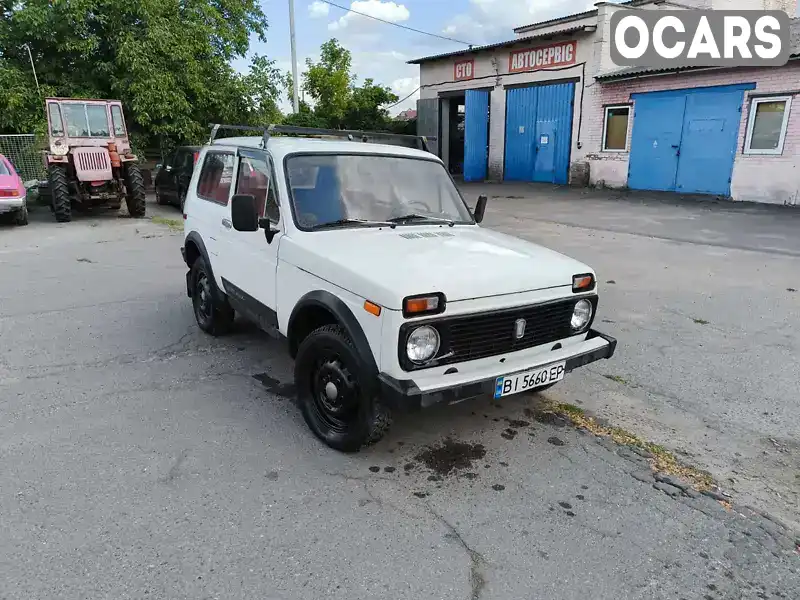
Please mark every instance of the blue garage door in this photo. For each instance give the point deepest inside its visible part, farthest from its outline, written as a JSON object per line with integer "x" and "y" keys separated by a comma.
{"x": 539, "y": 132}
{"x": 685, "y": 140}
{"x": 476, "y": 134}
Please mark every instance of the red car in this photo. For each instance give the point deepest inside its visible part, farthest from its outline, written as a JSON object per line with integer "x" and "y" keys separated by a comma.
{"x": 12, "y": 193}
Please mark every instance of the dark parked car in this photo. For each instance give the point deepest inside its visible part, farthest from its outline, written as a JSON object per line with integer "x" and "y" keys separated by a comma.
{"x": 172, "y": 178}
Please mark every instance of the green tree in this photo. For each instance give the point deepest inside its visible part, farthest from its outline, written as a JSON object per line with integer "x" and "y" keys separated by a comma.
{"x": 167, "y": 60}
{"x": 338, "y": 102}
{"x": 329, "y": 83}
{"x": 365, "y": 109}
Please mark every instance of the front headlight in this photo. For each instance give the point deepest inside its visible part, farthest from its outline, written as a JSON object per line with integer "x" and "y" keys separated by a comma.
{"x": 422, "y": 345}
{"x": 581, "y": 315}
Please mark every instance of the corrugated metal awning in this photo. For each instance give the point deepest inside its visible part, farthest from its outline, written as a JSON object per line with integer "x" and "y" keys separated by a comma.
{"x": 507, "y": 43}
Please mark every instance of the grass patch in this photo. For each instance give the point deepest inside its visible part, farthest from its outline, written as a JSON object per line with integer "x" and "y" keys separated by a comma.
{"x": 617, "y": 378}
{"x": 173, "y": 224}
{"x": 701, "y": 321}
{"x": 661, "y": 461}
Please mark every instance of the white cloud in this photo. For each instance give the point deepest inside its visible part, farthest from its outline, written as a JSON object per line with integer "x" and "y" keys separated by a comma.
{"x": 493, "y": 20}
{"x": 388, "y": 11}
{"x": 318, "y": 9}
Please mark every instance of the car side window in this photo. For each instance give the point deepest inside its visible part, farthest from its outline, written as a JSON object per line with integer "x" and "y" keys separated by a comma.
{"x": 214, "y": 183}
{"x": 255, "y": 178}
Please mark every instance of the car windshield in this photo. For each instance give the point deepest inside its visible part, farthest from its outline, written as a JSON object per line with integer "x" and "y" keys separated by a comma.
{"x": 357, "y": 190}
{"x": 86, "y": 120}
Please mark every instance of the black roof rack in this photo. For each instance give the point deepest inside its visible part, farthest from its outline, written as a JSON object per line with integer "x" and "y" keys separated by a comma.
{"x": 267, "y": 131}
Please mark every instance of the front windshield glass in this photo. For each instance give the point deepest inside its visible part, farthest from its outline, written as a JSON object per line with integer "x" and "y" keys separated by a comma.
{"x": 331, "y": 188}
{"x": 86, "y": 120}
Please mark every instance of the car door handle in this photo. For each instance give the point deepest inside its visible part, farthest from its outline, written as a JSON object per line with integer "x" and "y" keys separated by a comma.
{"x": 226, "y": 224}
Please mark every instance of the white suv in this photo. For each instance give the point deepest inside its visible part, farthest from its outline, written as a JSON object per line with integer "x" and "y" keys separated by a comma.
{"x": 365, "y": 258}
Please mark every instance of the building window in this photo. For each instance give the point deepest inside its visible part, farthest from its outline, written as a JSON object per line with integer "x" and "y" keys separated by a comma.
{"x": 615, "y": 129}
{"x": 766, "y": 126}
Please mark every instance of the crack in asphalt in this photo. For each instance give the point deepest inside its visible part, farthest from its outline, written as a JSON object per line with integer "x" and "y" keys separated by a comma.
{"x": 478, "y": 563}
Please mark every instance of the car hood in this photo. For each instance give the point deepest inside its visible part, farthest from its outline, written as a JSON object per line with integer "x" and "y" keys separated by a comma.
{"x": 463, "y": 262}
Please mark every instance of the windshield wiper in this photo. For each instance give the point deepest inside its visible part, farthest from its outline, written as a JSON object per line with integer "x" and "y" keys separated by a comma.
{"x": 418, "y": 217}
{"x": 341, "y": 222}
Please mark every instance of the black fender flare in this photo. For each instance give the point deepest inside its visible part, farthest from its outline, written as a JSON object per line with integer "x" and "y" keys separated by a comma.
{"x": 345, "y": 318}
{"x": 195, "y": 238}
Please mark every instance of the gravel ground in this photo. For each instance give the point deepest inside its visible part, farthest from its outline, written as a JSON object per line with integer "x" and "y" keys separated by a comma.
{"x": 140, "y": 458}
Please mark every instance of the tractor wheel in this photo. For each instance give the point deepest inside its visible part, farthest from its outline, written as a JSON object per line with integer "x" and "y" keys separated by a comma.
{"x": 59, "y": 193}
{"x": 134, "y": 191}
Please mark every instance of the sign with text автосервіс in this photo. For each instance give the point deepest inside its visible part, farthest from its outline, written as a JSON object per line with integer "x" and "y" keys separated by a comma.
{"x": 699, "y": 38}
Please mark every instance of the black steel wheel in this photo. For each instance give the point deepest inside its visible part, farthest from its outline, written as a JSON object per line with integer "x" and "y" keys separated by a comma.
{"x": 59, "y": 193}
{"x": 331, "y": 392}
{"x": 213, "y": 316}
{"x": 21, "y": 217}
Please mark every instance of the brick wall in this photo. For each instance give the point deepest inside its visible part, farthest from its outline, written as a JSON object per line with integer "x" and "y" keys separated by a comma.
{"x": 774, "y": 179}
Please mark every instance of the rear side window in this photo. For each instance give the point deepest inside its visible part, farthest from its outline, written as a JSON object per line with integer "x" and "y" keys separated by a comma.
{"x": 215, "y": 179}
{"x": 119, "y": 122}
{"x": 3, "y": 168}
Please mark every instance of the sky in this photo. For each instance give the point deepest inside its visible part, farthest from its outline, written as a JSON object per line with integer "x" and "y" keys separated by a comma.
{"x": 380, "y": 51}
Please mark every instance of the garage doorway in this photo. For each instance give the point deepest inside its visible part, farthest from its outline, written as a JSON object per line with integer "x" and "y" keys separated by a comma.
{"x": 685, "y": 140}
{"x": 539, "y": 132}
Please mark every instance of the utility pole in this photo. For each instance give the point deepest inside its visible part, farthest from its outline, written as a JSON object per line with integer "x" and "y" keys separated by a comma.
{"x": 33, "y": 67}
{"x": 294, "y": 58}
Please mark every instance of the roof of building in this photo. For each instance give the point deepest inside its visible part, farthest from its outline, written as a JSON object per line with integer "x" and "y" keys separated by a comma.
{"x": 628, "y": 72}
{"x": 514, "y": 42}
{"x": 281, "y": 146}
{"x": 580, "y": 15}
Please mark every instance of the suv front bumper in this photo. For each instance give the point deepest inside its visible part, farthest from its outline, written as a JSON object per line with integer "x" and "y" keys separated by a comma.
{"x": 408, "y": 394}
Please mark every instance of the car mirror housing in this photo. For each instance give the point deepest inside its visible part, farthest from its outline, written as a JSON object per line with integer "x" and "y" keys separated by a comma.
{"x": 244, "y": 215}
{"x": 480, "y": 209}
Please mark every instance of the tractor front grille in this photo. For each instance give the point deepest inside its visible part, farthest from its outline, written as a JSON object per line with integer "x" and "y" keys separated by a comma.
{"x": 92, "y": 164}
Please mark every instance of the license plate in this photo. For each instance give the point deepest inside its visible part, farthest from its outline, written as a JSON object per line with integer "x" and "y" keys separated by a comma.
{"x": 528, "y": 380}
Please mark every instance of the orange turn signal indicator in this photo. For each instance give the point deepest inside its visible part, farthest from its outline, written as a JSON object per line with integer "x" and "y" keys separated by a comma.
{"x": 425, "y": 304}
{"x": 582, "y": 283}
{"x": 372, "y": 308}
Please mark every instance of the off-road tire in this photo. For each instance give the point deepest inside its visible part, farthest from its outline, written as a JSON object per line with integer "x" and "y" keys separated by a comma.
{"x": 369, "y": 419}
{"x": 59, "y": 193}
{"x": 135, "y": 196}
{"x": 212, "y": 316}
{"x": 21, "y": 217}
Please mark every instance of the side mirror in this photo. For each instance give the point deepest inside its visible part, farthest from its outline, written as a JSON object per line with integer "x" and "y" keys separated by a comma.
{"x": 244, "y": 215}
{"x": 480, "y": 209}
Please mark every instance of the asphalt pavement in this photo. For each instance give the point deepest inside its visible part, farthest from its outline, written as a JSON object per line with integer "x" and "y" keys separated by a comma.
{"x": 141, "y": 458}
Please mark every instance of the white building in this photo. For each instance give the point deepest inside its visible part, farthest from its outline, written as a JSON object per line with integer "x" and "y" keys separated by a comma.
{"x": 550, "y": 106}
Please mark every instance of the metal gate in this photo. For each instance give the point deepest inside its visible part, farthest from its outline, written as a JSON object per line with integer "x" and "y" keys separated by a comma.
{"x": 685, "y": 140}
{"x": 24, "y": 152}
{"x": 539, "y": 132}
{"x": 476, "y": 134}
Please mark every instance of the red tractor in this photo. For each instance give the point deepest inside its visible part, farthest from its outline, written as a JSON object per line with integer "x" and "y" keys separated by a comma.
{"x": 89, "y": 162}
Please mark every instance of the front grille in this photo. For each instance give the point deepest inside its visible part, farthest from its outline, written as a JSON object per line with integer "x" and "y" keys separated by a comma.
{"x": 489, "y": 334}
{"x": 92, "y": 161}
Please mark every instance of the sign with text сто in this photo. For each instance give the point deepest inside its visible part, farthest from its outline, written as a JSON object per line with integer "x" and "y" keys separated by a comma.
{"x": 464, "y": 69}
{"x": 561, "y": 54}
{"x": 699, "y": 38}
